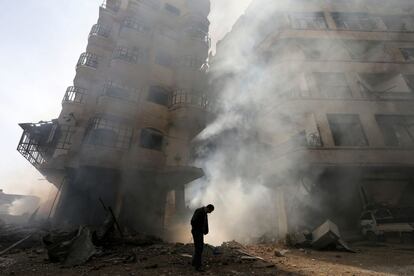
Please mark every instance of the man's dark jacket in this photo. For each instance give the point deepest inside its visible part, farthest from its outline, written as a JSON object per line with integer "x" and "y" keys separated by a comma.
{"x": 199, "y": 221}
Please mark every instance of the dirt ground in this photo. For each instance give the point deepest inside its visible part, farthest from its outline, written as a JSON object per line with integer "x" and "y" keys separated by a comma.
{"x": 174, "y": 259}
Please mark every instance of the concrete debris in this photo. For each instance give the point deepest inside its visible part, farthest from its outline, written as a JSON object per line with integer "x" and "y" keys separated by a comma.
{"x": 281, "y": 253}
{"x": 6, "y": 262}
{"x": 81, "y": 249}
{"x": 325, "y": 235}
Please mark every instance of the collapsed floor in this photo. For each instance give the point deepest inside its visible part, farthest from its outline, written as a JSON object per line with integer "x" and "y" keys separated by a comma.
{"x": 144, "y": 255}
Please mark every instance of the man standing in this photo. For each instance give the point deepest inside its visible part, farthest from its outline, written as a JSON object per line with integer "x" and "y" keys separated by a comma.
{"x": 199, "y": 228}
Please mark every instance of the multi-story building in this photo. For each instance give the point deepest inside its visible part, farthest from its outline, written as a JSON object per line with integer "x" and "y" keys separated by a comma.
{"x": 137, "y": 100}
{"x": 343, "y": 83}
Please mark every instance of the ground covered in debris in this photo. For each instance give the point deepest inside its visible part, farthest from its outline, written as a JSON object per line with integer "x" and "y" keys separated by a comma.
{"x": 231, "y": 258}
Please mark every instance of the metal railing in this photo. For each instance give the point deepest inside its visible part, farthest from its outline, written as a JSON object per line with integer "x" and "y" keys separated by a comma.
{"x": 99, "y": 30}
{"x": 88, "y": 59}
{"x": 74, "y": 94}
{"x": 190, "y": 99}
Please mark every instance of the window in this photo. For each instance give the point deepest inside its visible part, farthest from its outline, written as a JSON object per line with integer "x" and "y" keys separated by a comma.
{"x": 399, "y": 23}
{"x": 383, "y": 83}
{"x": 332, "y": 85}
{"x": 164, "y": 59}
{"x": 357, "y": 21}
{"x": 322, "y": 49}
{"x": 366, "y": 50}
{"x": 398, "y": 131}
{"x": 158, "y": 95}
{"x": 74, "y": 94}
{"x": 172, "y": 10}
{"x": 347, "y": 130}
{"x": 89, "y": 60}
{"x": 136, "y": 25}
{"x": 308, "y": 21}
{"x": 151, "y": 139}
{"x": 109, "y": 132}
{"x": 408, "y": 53}
{"x": 125, "y": 54}
{"x": 116, "y": 90}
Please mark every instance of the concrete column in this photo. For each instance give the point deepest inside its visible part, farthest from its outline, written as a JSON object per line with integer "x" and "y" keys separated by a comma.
{"x": 281, "y": 214}
{"x": 180, "y": 199}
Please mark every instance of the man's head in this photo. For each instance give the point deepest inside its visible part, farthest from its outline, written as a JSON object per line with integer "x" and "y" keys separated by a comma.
{"x": 210, "y": 208}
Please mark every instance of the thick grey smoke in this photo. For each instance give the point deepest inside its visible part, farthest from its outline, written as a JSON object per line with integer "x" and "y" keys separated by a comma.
{"x": 243, "y": 178}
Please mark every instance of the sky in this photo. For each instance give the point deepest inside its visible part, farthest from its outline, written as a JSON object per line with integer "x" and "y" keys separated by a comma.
{"x": 40, "y": 45}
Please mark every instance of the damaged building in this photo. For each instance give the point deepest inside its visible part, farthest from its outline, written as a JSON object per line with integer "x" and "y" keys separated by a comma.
{"x": 339, "y": 126}
{"x": 124, "y": 132}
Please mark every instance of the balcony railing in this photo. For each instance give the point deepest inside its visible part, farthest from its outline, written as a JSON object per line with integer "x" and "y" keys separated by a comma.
{"x": 99, "y": 30}
{"x": 111, "y": 5}
{"x": 34, "y": 139}
{"x": 190, "y": 99}
{"x": 74, "y": 94}
{"x": 88, "y": 59}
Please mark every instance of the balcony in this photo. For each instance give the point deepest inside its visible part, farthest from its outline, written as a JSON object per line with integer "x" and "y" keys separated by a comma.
{"x": 88, "y": 60}
{"x": 99, "y": 30}
{"x": 111, "y": 5}
{"x": 184, "y": 99}
{"x": 74, "y": 94}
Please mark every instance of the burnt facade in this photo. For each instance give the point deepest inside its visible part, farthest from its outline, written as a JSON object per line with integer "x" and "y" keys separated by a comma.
{"x": 341, "y": 76}
{"x": 137, "y": 101}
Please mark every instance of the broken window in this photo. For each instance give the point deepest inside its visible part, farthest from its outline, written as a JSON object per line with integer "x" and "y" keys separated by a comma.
{"x": 358, "y": 21}
{"x": 332, "y": 85}
{"x": 172, "y": 10}
{"x": 109, "y": 132}
{"x": 383, "y": 83}
{"x": 74, "y": 94}
{"x": 139, "y": 26}
{"x": 116, "y": 90}
{"x": 308, "y": 20}
{"x": 88, "y": 59}
{"x": 399, "y": 23}
{"x": 158, "y": 95}
{"x": 398, "y": 130}
{"x": 164, "y": 59}
{"x": 366, "y": 50}
{"x": 347, "y": 130}
{"x": 408, "y": 53}
{"x": 151, "y": 139}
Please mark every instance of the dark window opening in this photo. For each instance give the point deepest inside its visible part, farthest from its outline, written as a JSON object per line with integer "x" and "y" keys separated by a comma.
{"x": 347, "y": 130}
{"x": 151, "y": 139}
{"x": 158, "y": 95}
{"x": 110, "y": 133}
{"x": 115, "y": 90}
{"x": 173, "y": 10}
{"x": 398, "y": 131}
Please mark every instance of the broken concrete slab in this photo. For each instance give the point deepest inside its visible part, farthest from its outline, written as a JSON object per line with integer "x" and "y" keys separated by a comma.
{"x": 325, "y": 235}
{"x": 81, "y": 249}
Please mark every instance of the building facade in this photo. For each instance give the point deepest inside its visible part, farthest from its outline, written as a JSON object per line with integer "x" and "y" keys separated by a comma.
{"x": 343, "y": 80}
{"x": 137, "y": 101}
